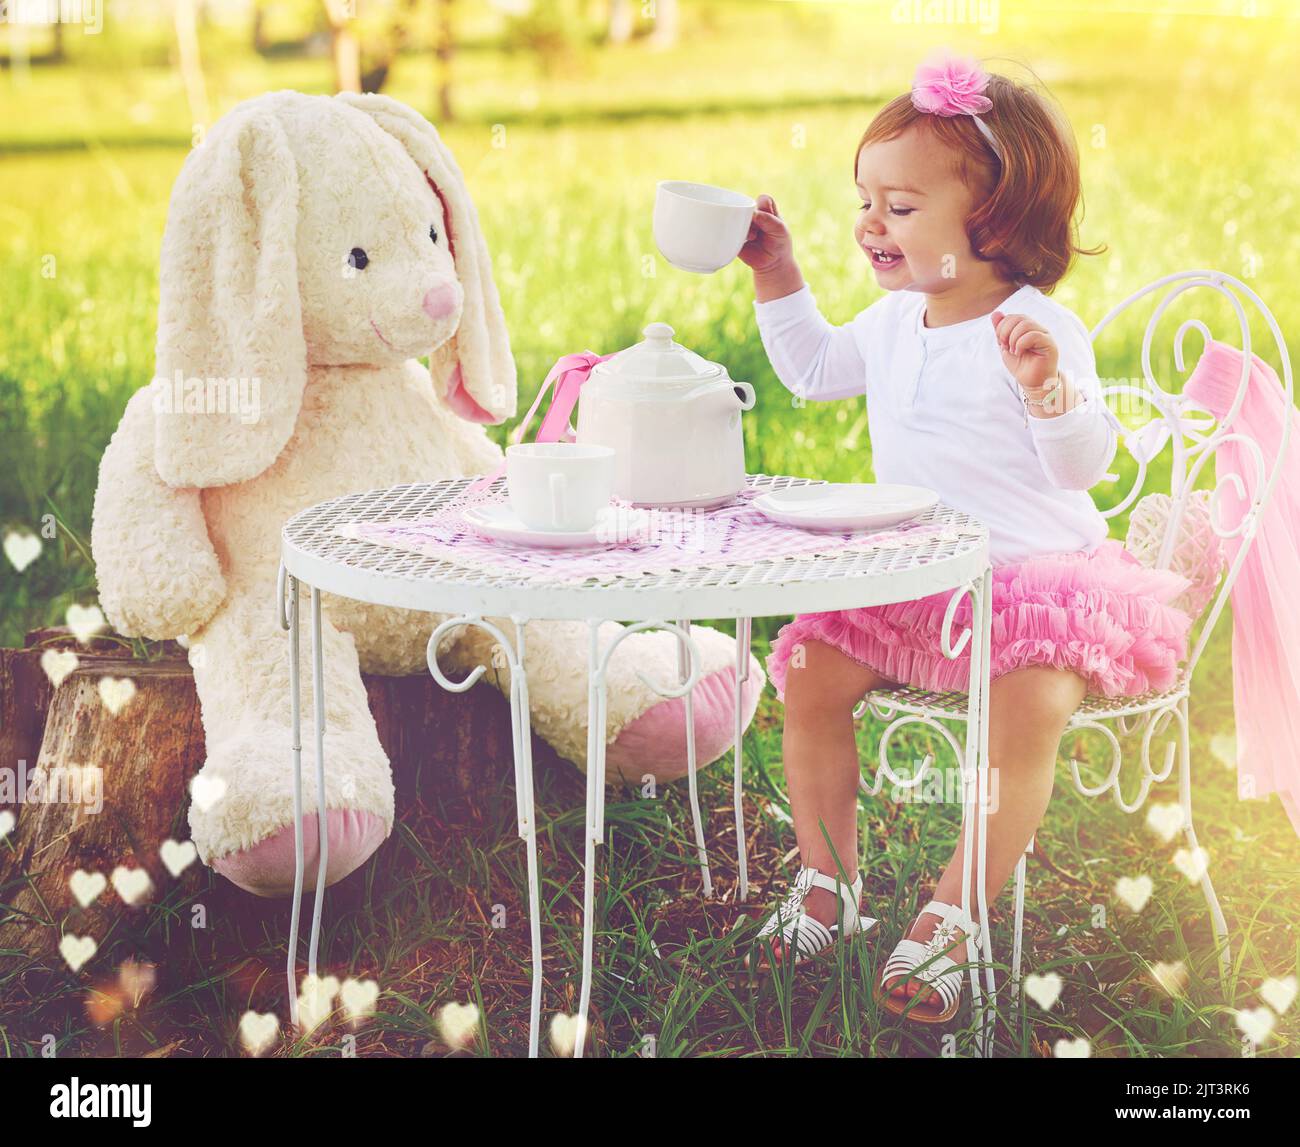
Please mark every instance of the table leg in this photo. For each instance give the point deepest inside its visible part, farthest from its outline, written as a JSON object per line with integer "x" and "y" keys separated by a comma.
{"x": 522, "y": 751}
{"x": 975, "y": 788}
{"x": 692, "y": 765}
{"x": 744, "y": 640}
{"x": 322, "y": 826}
{"x": 985, "y": 620}
{"x": 975, "y": 783}
{"x": 290, "y": 623}
{"x": 597, "y": 664}
{"x": 594, "y": 825}
{"x": 970, "y": 776}
{"x": 521, "y": 724}
{"x": 1018, "y": 934}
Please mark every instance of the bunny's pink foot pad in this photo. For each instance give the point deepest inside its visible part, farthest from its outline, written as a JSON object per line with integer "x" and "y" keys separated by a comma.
{"x": 655, "y": 742}
{"x": 267, "y": 868}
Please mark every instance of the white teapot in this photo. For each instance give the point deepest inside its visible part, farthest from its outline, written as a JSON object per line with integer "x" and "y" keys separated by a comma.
{"x": 673, "y": 419}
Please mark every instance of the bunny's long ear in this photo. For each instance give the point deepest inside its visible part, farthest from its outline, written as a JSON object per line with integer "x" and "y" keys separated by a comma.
{"x": 476, "y": 362}
{"x": 231, "y": 356}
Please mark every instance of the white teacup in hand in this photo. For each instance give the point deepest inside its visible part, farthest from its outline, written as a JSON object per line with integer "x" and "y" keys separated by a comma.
{"x": 561, "y": 486}
{"x": 699, "y": 227}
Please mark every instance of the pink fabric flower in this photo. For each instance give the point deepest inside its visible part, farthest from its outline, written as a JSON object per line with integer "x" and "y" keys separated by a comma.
{"x": 950, "y": 86}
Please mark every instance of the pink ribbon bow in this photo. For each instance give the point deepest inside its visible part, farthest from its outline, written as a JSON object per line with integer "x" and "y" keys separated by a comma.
{"x": 568, "y": 374}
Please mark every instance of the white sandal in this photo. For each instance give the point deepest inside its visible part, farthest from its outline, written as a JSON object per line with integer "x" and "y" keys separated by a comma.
{"x": 789, "y": 928}
{"x": 940, "y": 971}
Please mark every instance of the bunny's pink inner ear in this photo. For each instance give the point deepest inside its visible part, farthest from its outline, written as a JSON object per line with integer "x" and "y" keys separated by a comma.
{"x": 446, "y": 217}
{"x": 458, "y": 398}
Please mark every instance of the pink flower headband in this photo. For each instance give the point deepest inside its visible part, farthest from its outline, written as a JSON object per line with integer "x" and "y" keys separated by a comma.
{"x": 954, "y": 86}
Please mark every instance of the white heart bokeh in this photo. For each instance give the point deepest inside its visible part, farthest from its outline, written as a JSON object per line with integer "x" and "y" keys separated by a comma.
{"x": 178, "y": 856}
{"x": 1171, "y": 977}
{"x": 131, "y": 884}
{"x": 57, "y": 664}
{"x": 116, "y": 693}
{"x": 86, "y": 886}
{"x": 316, "y": 1001}
{"x": 206, "y": 791}
{"x": 22, "y": 549}
{"x": 458, "y": 1025}
{"x": 1256, "y": 1024}
{"x": 1072, "y": 1049}
{"x": 1278, "y": 994}
{"x": 257, "y": 1031}
{"x": 1044, "y": 990}
{"x": 76, "y": 950}
{"x": 358, "y": 998}
{"x": 1193, "y": 863}
{"x": 85, "y": 621}
{"x": 1165, "y": 820}
{"x": 564, "y": 1034}
{"x": 1135, "y": 891}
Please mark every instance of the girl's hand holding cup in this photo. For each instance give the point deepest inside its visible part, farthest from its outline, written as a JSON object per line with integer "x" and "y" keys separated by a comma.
{"x": 769, "y": 252}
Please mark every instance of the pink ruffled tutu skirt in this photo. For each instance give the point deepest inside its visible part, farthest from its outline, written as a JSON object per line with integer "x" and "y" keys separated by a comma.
{"x": 1102, "y": 614}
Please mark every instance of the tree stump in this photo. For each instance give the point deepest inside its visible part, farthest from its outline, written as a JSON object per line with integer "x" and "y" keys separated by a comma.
{"x": 452, "y": 747}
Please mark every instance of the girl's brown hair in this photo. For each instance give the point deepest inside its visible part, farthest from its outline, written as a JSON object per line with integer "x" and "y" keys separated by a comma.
{"x": 1025, "y": 219}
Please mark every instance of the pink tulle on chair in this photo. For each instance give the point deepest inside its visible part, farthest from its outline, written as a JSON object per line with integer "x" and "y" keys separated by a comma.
{"x": 1265, "y": 605}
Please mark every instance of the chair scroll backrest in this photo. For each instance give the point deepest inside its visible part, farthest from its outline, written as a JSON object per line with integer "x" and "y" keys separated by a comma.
{"x": 1193, "y": 435}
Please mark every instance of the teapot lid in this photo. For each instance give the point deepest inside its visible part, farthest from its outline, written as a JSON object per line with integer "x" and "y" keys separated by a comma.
{"x": 657, "y": 356}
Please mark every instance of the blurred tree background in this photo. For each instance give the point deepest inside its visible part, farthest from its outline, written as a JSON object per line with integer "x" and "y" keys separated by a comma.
{"x": 563, "y": 115}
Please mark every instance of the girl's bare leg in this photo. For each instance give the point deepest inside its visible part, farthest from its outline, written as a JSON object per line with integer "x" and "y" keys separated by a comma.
{"x": 821, "y": 761}
{"x": 1028, "y": 712}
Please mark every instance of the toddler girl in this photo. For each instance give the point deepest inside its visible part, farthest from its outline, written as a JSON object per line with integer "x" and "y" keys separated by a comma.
{"x": 982, "y": 388}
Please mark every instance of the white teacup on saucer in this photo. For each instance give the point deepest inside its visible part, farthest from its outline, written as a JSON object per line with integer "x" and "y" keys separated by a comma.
{"x": 699, "y": 227}
{"x": 559, "y": 486}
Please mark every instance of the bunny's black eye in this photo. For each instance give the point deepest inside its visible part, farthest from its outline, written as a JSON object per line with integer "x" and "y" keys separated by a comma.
{"x": 433, "y": 233}
{"x": 358, "y": 259}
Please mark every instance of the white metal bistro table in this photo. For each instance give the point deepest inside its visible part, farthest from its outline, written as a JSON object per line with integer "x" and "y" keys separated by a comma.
{"x": 954, "y": 558}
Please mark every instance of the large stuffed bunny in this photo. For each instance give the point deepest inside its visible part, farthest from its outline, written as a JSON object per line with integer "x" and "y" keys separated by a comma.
{"x": 314, "y": 247}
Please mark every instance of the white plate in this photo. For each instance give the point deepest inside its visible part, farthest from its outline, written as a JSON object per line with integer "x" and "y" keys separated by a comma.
{"x": 497, "y": 520}
{"x": 845, "y": 505}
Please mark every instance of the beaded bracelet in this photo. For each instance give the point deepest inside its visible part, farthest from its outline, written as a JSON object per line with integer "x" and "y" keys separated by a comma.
{"x": 1041, "y": 402}
{"x": 1047, "y": 398}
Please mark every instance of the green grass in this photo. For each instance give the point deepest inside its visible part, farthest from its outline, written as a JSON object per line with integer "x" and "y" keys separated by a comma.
{"x": 1183, "y": 167}
{"x": 417, "y": 918}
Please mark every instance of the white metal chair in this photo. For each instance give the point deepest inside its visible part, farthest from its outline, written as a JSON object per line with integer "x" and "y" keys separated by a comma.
{"x": 1193, "y": 442}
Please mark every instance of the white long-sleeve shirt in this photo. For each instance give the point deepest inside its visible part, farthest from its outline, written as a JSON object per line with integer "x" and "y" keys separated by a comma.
{"x": 944, "y": 412}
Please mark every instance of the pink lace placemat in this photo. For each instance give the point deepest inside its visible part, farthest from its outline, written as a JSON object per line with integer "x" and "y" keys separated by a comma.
{"x": 654, "y": 541}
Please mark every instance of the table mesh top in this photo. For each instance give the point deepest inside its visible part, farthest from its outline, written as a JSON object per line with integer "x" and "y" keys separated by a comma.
{"x": 313, "y": 533}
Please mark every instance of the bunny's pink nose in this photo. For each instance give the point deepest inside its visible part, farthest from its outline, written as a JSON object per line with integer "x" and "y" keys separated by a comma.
{"x": 441, "y": 301}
